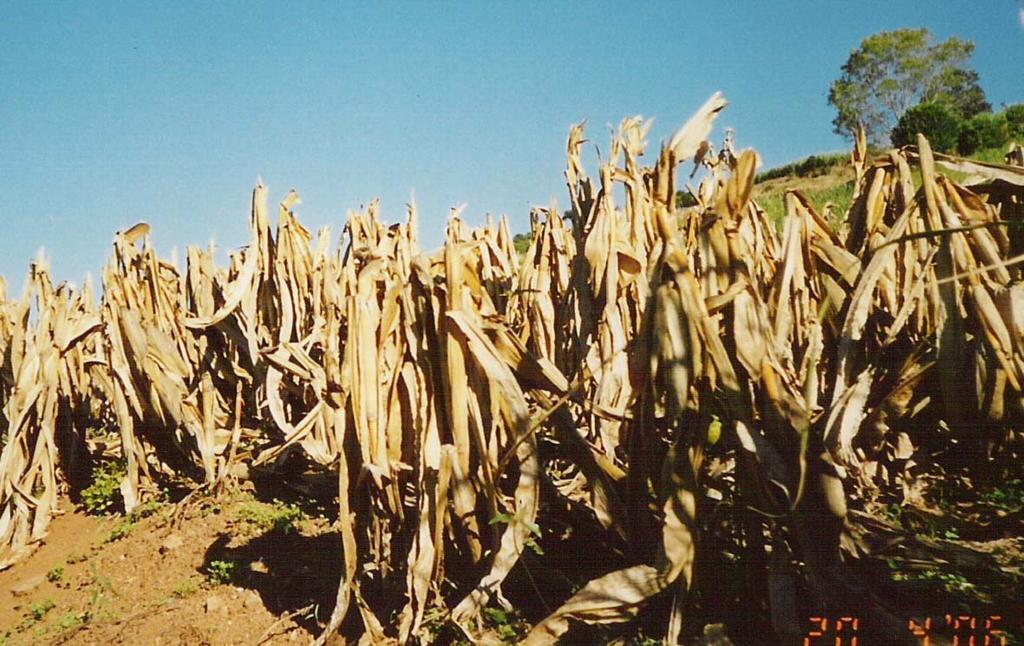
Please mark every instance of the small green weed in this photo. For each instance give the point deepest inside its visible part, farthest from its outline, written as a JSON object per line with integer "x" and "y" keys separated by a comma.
{"x": 508, "y": 625}
{"x": 221, "y": 572}
{"x": 56, "y": 574}
{"x": 951, "y": 581}
{"x": 100, "y": 581}
{"x": 128, "y": 523}
{"x": 96, "y": 611}
{"x": 121, "y": 530}
{"x": 38, "y": 610}
{"x": 99, "y": 586}
{"x": 99, "y": 432}
{"x": 534, "y": 528}
{"x": 434, "y": 619}
{"x": 437, "y": 629}
{"x": 1008, "y": 497}
{"x": 946, "y": 492}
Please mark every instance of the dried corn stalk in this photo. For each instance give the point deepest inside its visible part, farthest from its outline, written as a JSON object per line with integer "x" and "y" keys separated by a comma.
{"x": 428, "y": 380}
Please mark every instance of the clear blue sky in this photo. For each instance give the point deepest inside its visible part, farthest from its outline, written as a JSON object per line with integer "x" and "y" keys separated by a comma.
{"x": 111, "y": 114}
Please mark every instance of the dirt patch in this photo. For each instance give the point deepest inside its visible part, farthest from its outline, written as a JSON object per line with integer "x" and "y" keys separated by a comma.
{"x": 229, "y": 571}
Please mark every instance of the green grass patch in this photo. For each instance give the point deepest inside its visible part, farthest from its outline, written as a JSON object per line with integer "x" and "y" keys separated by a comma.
{"x": 186, "y": 588}
{"x": 991, "y": 155}
{"x": 839, "y": 195}
{"x": 68, "y": 621}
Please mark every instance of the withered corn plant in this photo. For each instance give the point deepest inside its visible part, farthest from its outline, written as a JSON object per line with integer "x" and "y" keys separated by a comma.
{"x": 637, "y": 362}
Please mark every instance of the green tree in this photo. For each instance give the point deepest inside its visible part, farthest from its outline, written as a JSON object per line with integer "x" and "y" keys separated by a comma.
{"x": 958, "y": 89}
{"x": 1014, "y": 115}
{"x": 893, "y": 71}
{"x": 685, "y": 200}
{"x": 933, "y": 120}
{"x": 983, "y": 131}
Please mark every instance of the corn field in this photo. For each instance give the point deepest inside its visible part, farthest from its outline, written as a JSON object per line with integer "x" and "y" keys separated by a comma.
{"x": 639, "y": 361}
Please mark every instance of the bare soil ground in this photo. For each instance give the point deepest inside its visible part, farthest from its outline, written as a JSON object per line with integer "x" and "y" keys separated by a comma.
{"x": 234, "y": 571}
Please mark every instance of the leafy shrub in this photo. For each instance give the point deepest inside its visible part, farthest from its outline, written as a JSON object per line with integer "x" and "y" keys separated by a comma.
{"x": 103, "y": 496}
{"x": 970, "y": 139}
{"x": 933, "y": 120}
{"x": 983, "y": 131}
{"x": 812, "y": 166}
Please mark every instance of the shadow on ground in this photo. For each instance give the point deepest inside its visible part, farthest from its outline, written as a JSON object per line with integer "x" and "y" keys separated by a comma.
{"x": 288, "y": 570}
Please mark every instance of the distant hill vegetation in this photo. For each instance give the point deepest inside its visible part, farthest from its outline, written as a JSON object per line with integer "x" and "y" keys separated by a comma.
{"x": 826, "y": 179}
{"x": 812, "y": 166}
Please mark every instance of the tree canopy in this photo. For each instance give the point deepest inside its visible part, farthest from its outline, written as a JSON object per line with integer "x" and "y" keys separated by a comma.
{"x": 892, "y": 71}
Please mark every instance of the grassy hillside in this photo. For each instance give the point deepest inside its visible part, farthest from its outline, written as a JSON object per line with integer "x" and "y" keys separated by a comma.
{"x": 833, "y": 187}
{"x": 826, "y": 180}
